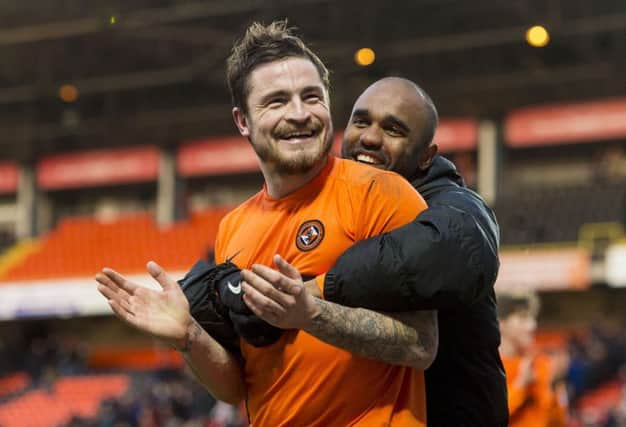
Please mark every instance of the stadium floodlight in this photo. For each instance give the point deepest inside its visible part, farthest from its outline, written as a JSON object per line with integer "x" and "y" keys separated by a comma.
{"x": 364, "y": 56}
{"x": 68, "y": 93}
{"x": 537, "y": 36}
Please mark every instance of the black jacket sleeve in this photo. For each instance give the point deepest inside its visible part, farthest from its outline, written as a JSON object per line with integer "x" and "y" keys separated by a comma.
{"x": 445, "y": 257}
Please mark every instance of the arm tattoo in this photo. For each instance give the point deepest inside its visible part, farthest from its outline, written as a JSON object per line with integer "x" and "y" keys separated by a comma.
{"x": 408, "y": 339}
{"x": 191, "y": 337}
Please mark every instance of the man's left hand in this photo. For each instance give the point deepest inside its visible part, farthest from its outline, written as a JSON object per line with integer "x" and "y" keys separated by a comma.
{"x": 279, "y": 296}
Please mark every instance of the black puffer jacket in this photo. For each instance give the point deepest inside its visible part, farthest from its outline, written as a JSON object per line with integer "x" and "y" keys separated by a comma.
{"x": 446, "y": 259}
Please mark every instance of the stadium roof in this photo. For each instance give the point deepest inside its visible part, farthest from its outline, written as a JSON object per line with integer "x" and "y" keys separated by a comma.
{"x": 151, "y": 71}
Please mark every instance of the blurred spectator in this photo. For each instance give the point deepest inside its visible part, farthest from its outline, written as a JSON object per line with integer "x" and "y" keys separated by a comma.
{"x": 593, "y": 359}
{"x": 537, "y": 398}
{"x": 578, "y": 365}
{"x": 165, "y": 399}
{"x": 617, "y": 417}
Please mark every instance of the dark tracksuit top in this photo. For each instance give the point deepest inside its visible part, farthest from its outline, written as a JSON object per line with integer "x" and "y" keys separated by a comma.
{"x": 447, "y": 260}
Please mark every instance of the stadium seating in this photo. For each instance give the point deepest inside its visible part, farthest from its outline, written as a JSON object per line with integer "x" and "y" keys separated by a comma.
{"x": 6, "y": 240}
{"x": 79, "y": 247}
{"x": 136, "y": 359}
{"x": 67, "y": 397}
{"x": 555, "y": 214}
{"x": 16, "y": 254}
{"x": 596, "y": 404}
{"x": 13, "y": 383}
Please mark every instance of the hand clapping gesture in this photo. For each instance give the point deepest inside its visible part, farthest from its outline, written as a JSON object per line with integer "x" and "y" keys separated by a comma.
{"x": 162, "y": 313}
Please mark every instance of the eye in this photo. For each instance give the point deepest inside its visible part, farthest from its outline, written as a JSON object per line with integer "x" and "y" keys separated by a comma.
{"x": 360, "y": 122}
{"x": 276, "y": 102}
{"x": 394, "y": 131}
{"x": 312, "y": 98}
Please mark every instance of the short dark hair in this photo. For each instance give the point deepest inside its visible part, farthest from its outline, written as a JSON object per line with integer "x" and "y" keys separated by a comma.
{"x": 431, "y": 115}
{"x": 260, "y": 45}
{"x": 509, "y": 304}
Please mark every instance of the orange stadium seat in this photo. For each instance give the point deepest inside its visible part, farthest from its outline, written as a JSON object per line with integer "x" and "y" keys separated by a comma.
{"x": 556, "y": 339}
{"x": 134, "y": 358}
{"x": 597, "y": 403}
{"x": 13, "y": 383}
{"x": 68, "y": 397}
{"x": 79, "y": 247}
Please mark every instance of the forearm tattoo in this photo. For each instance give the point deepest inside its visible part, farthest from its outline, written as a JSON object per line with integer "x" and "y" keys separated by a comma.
{"x": 408, "y": 339}
{"x": 191, "y": 337}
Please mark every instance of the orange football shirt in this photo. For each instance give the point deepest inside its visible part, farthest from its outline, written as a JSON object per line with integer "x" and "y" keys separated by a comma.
{"x": 537, "y": 404}
{"x": 300, "y": 380}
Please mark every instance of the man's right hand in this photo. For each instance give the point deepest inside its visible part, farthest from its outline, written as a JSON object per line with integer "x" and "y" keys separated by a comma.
{"x": 313, "y": 288}
{"x": 164, "y": 314}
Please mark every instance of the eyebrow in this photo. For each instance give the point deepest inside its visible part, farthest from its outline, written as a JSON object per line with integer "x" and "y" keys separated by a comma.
{"x": 284, "y": 93}
{"x": 313, "y": 88}
{"x": 274, "y": 94}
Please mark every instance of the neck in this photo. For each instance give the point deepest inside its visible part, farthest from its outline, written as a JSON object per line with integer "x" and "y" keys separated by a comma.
{"x": 508, "y": 349}
{"x": 280, "y": 185}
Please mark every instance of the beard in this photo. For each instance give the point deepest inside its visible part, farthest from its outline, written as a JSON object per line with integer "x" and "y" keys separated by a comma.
{"x": 297, "y": 160}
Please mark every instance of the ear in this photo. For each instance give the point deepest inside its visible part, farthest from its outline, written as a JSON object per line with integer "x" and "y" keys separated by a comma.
{"x": 241, "y": 121}
{"x": 427, "y": 156}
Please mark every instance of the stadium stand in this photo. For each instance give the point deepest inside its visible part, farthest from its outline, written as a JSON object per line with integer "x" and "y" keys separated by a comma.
{"x": 13, "y": 383}
{"x": 7, "y": 239}
{"x": 53, "y": 382}
{"x": 81, "y": 246}
{"x": 65, "y": 398}
{"x": 15, "y": 254}
{"x": 597, "y": 405}
{"x": 556, "y": 213}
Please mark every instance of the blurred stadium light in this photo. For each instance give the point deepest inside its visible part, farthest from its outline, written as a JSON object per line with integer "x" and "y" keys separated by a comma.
{"x": 537, "y": 36}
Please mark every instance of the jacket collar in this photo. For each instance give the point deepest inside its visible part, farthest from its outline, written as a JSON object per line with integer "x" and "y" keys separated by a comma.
{"x": 442, "y": 173}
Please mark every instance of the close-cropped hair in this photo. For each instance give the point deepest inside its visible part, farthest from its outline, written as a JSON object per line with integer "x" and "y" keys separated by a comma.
{"x": 262, "y": 44}
{"x": 509, "y": 304}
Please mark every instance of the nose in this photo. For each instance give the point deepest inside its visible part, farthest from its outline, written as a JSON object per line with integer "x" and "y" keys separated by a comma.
{"x": 297, "y": 111}
{"x": 371, "y": 137}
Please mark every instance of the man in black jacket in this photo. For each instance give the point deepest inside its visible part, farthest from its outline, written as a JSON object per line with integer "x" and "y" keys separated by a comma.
{"x": 446, "y": 259}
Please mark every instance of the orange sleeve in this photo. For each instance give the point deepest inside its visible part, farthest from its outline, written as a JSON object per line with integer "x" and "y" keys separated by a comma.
{"x": 543, "y": 389}
{"x": 517, "y": 397}
{"x": 549, "y": 399}
{"x": 558, "y": 411}
{"x": 388, "y": 202}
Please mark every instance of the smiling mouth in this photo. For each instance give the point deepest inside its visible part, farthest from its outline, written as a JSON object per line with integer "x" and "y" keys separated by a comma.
{"x": 368, "y": 160}
{"x": 298, "y": 135}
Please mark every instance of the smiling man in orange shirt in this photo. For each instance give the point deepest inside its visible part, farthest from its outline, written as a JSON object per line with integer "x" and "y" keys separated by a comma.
{"x": 310, "y": 210}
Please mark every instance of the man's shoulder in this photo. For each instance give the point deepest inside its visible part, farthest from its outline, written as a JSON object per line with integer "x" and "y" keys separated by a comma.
{"x": 359, "y": 175}
{"x": 461, "y": 198}
{"x": 242, "y": 211}
{"x": 362, "y": 172}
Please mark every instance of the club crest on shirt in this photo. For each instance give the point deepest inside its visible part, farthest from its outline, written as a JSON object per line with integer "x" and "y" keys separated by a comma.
{"x": 310, "y": 235}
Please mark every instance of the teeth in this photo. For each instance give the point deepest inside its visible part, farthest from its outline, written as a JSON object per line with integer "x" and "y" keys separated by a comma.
{"x": 299, "y": 135}
{"x": 367, "y": 159}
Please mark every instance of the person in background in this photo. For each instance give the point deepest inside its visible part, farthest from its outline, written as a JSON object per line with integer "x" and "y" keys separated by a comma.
{"x": 536, "y": 397}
